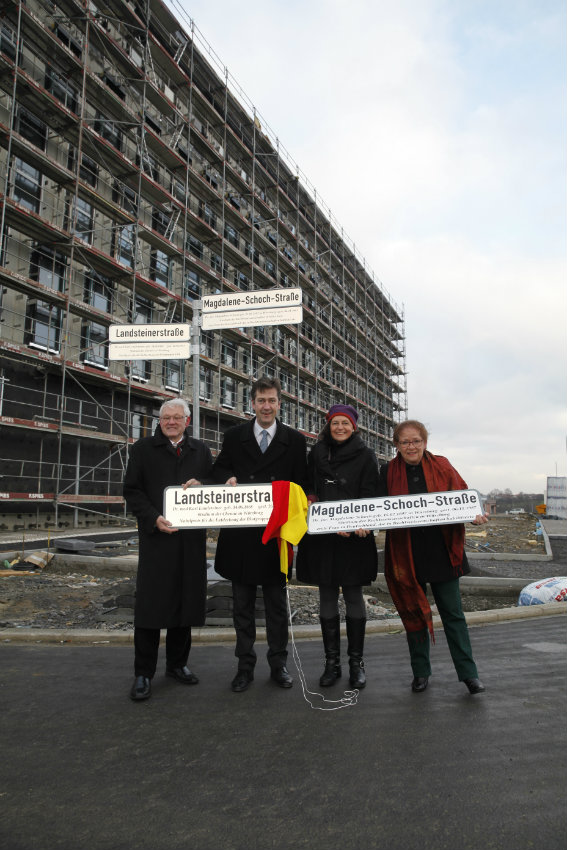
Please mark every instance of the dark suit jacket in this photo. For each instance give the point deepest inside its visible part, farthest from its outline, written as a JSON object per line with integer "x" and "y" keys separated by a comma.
{"x": 241, "y": 556}
{"x": 172, "y": 569}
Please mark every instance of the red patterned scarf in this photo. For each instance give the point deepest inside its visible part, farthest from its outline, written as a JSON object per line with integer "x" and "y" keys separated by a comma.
{"x": 409, "y": 599}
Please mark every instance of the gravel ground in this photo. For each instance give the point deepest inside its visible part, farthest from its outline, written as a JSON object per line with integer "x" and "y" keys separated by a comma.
{"x": 51, "y": 600}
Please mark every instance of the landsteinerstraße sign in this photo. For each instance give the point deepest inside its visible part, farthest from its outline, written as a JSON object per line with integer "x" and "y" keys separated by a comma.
{"x": 254, "y": 308}
{"x": 394, "y": 511}
{"x": 149, "y": 342}
{"x": 218, "y": 505}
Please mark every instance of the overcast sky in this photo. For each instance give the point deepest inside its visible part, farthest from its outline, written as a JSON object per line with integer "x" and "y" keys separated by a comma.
{"x": 435, "y": 132}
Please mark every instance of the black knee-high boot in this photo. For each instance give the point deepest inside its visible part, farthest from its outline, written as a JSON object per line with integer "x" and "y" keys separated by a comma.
{"x": 331, "y": 629}
{"x": 355, "y": 635}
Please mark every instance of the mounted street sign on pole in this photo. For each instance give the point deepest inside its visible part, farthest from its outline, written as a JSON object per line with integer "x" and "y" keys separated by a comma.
{"x": 249, "y": 309}
{"x": 213, "y": 312}
{"x": 149, "y": 342}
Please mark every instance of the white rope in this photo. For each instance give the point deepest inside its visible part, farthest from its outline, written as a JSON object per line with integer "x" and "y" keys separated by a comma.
{"x": 349, "y": 698}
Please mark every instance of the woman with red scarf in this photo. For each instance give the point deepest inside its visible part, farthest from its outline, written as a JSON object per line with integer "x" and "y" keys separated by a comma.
{"x": 433, "y": 555}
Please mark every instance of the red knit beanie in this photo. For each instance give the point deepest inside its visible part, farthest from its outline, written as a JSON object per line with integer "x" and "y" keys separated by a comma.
{"x": 343, "y": 410}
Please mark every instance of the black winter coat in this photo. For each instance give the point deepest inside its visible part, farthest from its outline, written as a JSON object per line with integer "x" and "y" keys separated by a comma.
{"x": 172, "y": 568}
{"x": 241, "y": 556}
{"x": 339, "y": 471}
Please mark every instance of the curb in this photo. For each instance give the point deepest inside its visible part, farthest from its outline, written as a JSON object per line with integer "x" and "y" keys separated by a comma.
{"x": 473, "y": 585}
{"x": 94, "y": 637}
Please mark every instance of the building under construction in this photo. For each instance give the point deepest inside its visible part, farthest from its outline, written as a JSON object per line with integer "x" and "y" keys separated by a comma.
{"x": 135, "y": 178}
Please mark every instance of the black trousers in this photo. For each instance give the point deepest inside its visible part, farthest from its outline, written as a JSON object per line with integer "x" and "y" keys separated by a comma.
{"x": 146, "y": 645}
{"x": 275, "y": 602}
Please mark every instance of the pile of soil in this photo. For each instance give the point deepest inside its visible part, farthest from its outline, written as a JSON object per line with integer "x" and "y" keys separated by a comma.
{"x": 51, "y": 601}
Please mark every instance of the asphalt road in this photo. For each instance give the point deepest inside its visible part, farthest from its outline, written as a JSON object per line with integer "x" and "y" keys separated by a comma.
{"x": 200, "y": 767}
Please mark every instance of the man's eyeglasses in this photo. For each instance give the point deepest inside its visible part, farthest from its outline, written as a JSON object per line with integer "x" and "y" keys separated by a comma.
{"x": 172, "y": 418}
{"x": 407, "y": 443}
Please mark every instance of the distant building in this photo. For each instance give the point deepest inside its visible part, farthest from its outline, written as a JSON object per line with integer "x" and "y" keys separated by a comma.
{"x": 134, "y": 181}
{"x": 556, "y": 497}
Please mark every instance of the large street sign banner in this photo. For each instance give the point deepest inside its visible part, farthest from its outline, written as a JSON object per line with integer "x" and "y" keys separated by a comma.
{"x": 223, "y": 506}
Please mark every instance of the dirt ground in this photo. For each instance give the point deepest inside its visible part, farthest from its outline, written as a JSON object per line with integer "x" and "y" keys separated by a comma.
{"x": 52, "y": 599}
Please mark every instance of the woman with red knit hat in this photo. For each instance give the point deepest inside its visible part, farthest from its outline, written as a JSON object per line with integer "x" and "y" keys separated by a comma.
{"x": 340, "y": 466}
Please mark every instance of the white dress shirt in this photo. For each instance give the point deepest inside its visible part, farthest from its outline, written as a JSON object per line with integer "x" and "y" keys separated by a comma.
{"x": 258, "y": 431}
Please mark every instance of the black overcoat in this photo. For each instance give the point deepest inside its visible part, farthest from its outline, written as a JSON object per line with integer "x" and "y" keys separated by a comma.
{"x": 171, "y": 585}
{"x": 241, "y": 556}
{"x": 337, "y": 471}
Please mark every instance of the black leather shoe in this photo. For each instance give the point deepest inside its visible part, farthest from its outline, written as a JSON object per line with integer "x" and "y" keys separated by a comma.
{"x": 182, "y": 674}
{"x": 475, "y": 686}
{"x": 419, "y": 684}
{"x": 281, "y": 677}
{"x": 241, "y": 681}
{"x": 141, "y": 689}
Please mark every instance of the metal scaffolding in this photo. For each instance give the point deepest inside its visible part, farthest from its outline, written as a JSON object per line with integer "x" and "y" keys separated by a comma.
{"x": 136, "y": 177}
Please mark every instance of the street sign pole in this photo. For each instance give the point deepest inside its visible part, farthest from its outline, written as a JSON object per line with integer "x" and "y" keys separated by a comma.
{"x": 196, "y": 353}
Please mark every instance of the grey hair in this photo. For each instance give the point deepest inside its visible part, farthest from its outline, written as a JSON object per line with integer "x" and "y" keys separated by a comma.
{"x": 178, "y": 402}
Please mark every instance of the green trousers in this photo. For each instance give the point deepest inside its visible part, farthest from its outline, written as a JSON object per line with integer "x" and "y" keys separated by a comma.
{"x": 448, "y": 600}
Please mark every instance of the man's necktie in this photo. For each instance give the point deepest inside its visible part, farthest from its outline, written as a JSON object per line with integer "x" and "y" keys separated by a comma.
{"x": 264, "y": 441}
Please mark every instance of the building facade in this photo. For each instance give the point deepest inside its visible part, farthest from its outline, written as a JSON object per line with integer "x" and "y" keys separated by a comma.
{"x": 135, "y": 178}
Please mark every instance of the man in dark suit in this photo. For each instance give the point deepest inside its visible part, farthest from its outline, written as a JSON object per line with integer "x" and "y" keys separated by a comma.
{"x": 171, "y": 585}
{"x": 258, "y": 452}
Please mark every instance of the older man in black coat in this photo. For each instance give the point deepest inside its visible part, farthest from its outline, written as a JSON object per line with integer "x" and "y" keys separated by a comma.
{"x": 172, "y": 568}
{"x": 258, "y": 452}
